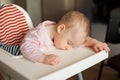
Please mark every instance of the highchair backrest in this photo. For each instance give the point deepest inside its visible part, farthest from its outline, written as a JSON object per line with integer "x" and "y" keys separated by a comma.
{"x": 14, "y": 23}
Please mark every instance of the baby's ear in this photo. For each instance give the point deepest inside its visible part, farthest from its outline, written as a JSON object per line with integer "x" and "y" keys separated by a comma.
{"x": 61, "y": 28}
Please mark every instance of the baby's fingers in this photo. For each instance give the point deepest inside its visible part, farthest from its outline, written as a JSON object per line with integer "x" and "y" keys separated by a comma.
{"x": 105, "y": 47}
{"x": 55, "y": 60}
{"x": 97, "y": 49}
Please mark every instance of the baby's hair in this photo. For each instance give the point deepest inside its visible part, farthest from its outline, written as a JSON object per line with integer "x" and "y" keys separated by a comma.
{"x": 72, "y": 18}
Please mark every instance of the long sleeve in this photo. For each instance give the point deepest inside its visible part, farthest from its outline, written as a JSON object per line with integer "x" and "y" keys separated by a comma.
{"x": 35, "y": 42}
{"x": 12, "y": 49}
{"x": 31, "y": 50}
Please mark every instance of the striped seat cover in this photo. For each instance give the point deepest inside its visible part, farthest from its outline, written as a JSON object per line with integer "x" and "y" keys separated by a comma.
{"x": 13, "y": 26}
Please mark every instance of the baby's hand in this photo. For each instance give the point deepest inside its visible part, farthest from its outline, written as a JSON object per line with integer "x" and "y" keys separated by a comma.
{"x": 99, "y": 46}
{"x": 51, "y": 59}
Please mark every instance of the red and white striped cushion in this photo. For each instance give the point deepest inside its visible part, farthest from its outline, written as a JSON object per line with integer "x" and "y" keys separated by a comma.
{"x": 13, "y": 26}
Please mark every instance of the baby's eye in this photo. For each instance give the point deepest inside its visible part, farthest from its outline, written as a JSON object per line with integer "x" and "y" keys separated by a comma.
{"x": 68, "y": 42}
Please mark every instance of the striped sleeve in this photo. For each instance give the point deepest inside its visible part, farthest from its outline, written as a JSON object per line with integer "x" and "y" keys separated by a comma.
{"x": 12, "y": 49}
{"x": 0, "y": 44}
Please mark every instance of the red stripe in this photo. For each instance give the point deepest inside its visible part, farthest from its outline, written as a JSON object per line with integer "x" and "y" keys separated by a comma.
{"x": 16, "y": 14}
{"x": 13, "y": 25}
{"x": 13, "y": 32}
{"x": 9, "y": 31}
{"x": 7, "y": 7}
{"x": 13, "y": 39}
{"x": 15, "y": 42}
{"x": 8, "y": 11}
{"x": 22, "y": 26}
{"x": 13, "y": 15}
{"x": 13, "y": 22}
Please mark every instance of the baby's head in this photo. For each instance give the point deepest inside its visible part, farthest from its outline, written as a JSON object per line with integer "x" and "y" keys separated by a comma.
{"x": 72, "y": 30}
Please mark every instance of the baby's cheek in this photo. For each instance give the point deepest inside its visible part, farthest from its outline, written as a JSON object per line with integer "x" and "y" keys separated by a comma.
{"x": 60, "y": 47}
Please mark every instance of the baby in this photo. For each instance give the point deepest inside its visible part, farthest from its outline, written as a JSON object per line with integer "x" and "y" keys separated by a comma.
{"x": 71, "y": 31}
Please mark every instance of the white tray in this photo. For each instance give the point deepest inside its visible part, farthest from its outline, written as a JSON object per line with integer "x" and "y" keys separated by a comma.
{"x": 72, "y": 62}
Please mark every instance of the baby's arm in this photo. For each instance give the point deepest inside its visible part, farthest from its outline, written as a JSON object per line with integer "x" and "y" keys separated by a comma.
{"x": 50, "y": 59}
{"x": 96, "y": 45}
{"x": 31, "y": 51}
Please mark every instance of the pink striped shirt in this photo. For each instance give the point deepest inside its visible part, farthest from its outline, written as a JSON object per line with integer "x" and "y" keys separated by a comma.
{"x": 36, "y": 42}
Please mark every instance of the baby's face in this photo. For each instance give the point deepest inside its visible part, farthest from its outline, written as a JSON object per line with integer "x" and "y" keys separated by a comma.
{"x": 69, "y": 39}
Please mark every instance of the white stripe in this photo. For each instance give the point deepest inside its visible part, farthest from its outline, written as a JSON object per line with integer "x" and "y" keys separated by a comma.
{"x": 6, "y": 10}
{"x": 11, "y": 41}
{"x": 14, "y": 28}
{"x": 19, "y": 33}
{"x": 8, "y": 6}
{"x": 12, "y": 14}
{"x": 15, "y": 23}
{"x": 13, "y": 49}
{"x": 8, "y": 18}
{"x": 16, "y": 34}
{"x": 13, "y": 32}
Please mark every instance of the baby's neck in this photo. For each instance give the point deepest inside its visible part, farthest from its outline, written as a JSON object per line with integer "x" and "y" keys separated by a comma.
{"x": 51, "y": 31}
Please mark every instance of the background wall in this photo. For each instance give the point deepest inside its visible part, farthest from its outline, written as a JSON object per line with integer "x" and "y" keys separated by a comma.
{"x": 55, "y": 9}
{"x": 34, "y": 10}
{"x": 40, "y": 10}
